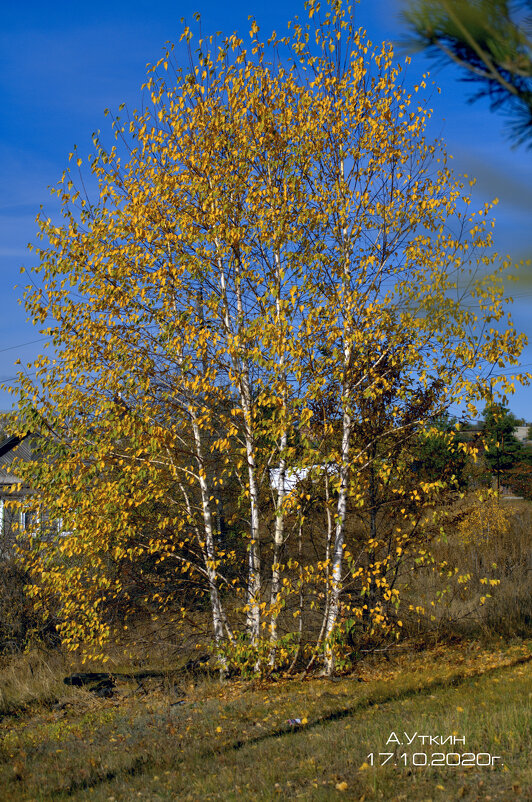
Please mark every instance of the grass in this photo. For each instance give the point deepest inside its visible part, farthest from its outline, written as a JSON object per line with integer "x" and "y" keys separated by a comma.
{"x": 232, "y": 741}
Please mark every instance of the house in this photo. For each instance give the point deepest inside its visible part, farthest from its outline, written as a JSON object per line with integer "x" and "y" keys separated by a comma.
{"x": 293, "y": 476}
{"x": 12, "y": 489}
{"x": 521, "y": 432}
{"x": 11, "y": 518}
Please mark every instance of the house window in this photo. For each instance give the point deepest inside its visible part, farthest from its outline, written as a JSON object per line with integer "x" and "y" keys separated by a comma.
{"x": 29, "y": 521}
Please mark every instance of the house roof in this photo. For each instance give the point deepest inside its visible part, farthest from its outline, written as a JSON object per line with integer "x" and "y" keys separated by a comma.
{"x": 11, "y": 447}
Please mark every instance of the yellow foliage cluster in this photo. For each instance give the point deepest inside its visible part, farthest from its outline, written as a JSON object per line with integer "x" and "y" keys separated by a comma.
{"x": 484, "y": 521}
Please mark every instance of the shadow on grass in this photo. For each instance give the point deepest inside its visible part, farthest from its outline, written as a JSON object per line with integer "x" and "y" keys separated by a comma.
{"x": 369, "y": 701}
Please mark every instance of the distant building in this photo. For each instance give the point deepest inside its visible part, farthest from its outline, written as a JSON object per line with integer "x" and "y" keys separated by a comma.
{"x": 521, "y": 432}
{"x": 293, "y": 476}
{"x": 11, "y": 518}
{"x": 12, "y": 489}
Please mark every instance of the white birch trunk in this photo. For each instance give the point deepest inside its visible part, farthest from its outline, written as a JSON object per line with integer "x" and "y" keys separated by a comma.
{"x": 277, "y": 544}
{"x": 339, "y": 535}
{"x": 278, "y": 534}
{"x": 218, "y": 617}
{"x": 254, "y": 583}
{"x": 241, "y": 370}
{"x": 347, "y": 425}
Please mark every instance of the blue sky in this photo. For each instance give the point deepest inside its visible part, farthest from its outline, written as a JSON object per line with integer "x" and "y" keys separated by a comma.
{"x": 62, "y": 64}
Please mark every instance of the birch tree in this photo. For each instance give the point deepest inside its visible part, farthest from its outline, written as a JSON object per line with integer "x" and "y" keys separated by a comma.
{"x": 274, "y": 250}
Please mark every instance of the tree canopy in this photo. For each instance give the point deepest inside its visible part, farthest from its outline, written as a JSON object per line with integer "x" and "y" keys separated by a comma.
{"x": 266, "y": 279}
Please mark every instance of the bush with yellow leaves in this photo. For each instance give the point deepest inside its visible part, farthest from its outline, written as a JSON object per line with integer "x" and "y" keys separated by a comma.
{"x": 484, "y": 520}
